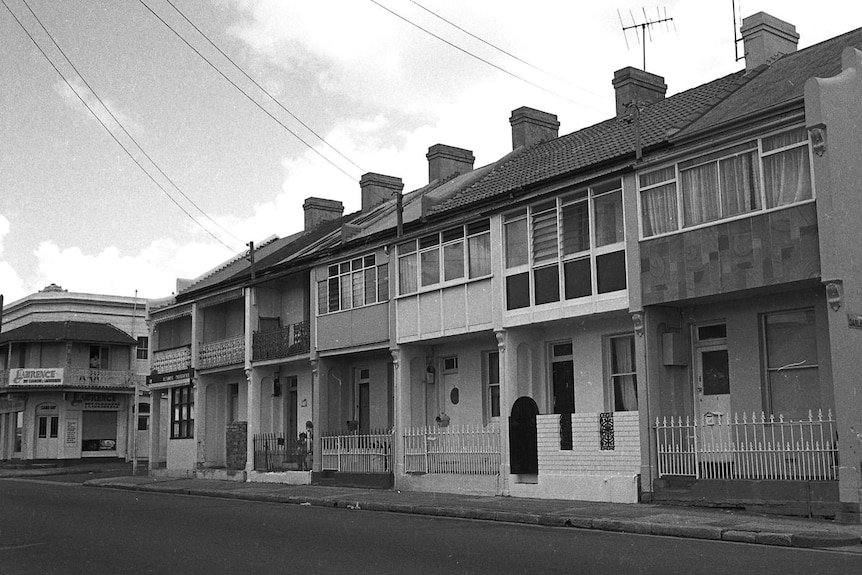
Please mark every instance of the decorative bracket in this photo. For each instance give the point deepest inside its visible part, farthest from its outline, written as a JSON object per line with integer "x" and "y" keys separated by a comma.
{"x": 834, "y": 293}
{"x": 818, "y": 138}
{"x": 638, "y": 321}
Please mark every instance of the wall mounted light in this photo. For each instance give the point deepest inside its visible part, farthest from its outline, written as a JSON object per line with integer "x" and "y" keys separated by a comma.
{"x": 818, "y": 138}
{"x": 833, "y": 294}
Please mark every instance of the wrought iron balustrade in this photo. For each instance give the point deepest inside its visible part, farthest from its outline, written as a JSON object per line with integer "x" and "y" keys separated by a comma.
{"x": 285, "y": 341}
{"x": 223, "y": 352}
{"x": 173, "y": 359}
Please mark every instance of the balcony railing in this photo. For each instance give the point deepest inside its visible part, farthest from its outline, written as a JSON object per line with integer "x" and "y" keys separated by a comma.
{"x": 755, "y": 447}
{"x": 174, "y": 359}
{"x": 229, "y": 351}
{"x": 285, "y": 341}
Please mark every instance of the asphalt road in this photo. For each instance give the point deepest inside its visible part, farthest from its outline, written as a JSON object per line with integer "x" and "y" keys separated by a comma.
{"x": 49, "y": 526}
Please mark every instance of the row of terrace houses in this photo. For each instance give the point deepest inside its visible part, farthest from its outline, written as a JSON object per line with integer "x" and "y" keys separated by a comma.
{"x": 662, "y": 306}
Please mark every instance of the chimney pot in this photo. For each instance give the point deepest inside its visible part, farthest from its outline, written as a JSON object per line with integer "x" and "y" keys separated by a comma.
{"x": 531, "y": 127}
{"x": 319, "y": 210}
{"x": 764, "y": 37}
{"x": 377, "y": 188}
{"x": 446, "y": 161}
{"x": 635, "y": 85}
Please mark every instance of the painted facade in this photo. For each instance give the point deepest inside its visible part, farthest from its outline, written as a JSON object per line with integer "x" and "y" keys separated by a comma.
{"x": 540, "y": 326}
{"x": 70, "y": 366}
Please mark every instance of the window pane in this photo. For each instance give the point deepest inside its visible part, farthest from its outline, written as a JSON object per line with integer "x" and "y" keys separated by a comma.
{"x": 785, "y": 139}
{"x": 795, "y": 392}
{"x": 370, "y": 285}
{"x": 658, "y": 176}
{"x": 700, "y": 194}
{"x": 495, "y": 400}
{"x": 659, "y": 210}
{"x": 545, "y": 235}
{"x": 611, "y": 272}
{"x": 430, "y": 266}
{"x": 547, "y": 284}
{"x": 383, "y": 282}
{"x": 787, "y": 177}
{"x": 334, "y": 297}
{"x": 576, "y": 227}
{"x": 453, "y": 261}
{"x": 716, "y": 372}
{"x": 518, "y": 291}
{"x": 494, "y": 367}
{"x": 346, "y": 295}
{"x": 791, "y": 339}
{"x": 578, "y": 278}
{"x": 480, "y": 255}
{"x": 407, "y": 274}
{"x": 358, "y": 281}
{"x": 740, "y": 189}
{"x": 516, "y": 243}
{"x": 609, "y": 218}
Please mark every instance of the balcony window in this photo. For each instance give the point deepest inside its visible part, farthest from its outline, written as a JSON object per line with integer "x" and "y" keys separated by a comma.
{"x": 354, "y": 283}
{"x": 761, "y": 174}
{"x": 445, "y": 258}
{"x": 182, "y": 412}
{"x": 570, "y": 247}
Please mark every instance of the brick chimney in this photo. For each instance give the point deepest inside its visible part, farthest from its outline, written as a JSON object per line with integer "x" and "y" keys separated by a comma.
{"x": 765, "y": 36}
{"x": 634, "y": 85}
{"x": 377, "y": 188}
{"x": 446, "y": 161}
{"x": 531, "y": 127}
{"x": 319, "y": 210}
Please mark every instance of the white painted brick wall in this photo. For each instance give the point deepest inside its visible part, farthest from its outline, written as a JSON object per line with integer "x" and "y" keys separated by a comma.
{"x": 586, "y": 457}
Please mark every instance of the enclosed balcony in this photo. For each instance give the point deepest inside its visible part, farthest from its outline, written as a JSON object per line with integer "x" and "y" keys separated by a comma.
{"x": 281, "y": 342}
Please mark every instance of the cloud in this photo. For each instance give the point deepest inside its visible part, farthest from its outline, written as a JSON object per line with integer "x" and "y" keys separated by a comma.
{"x": 70, "y": 94}
{"x": 152, "y": 272}
{"x": 11, "y": 285}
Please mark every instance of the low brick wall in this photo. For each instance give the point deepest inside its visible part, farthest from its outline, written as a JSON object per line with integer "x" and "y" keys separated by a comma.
{"x": 586, "y": 455}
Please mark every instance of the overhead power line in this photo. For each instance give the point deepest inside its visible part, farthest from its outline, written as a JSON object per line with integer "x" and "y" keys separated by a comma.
{"x": 501, "y": 50}
{"x": 103, "y": 124}
{"x": 244, "y": 93}
{"x": 261, "y": 88}
{"x": 483, "y": 60}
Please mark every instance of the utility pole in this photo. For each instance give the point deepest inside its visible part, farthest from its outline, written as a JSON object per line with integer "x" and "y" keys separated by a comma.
{"x": 251, "y": 257}
{"x": 134, "y": 426}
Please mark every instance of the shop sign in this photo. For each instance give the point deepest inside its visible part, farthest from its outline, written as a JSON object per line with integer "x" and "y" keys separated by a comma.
{"x": 854, "y": 321}
{"x": 41, "y": 376}
{"x": 11, "y": 405}
{"x": 171, "y": 376}
{"x": 108, "y": 401}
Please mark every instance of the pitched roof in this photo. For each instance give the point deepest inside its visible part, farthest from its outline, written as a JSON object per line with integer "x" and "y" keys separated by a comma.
{"x": 600, "y": 143}
{"x": 781, "y": 82}
{"x": 68, "y": 331}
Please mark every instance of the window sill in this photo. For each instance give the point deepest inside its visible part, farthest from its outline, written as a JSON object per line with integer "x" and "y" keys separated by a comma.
{"x": 444, "y": 286}
{"x": 329, "y": 313}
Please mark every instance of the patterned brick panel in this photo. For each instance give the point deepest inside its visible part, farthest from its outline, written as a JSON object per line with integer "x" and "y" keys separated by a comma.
{"x": 766, "y": 249}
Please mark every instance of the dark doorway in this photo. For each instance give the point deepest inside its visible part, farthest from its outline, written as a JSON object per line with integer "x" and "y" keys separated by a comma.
{"x": 563, "y": 373}
{"x": 523, "y": 448}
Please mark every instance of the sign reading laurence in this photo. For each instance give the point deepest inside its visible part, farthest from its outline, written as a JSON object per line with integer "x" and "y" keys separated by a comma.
{"x": 854, "y": 321}
{"x": 41, "y": 376}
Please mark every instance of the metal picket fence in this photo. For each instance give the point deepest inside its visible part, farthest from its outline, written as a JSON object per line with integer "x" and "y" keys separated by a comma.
{"x": 458, "y": 449}
{"x": 755, "y": 447}
{"x": 357, "y": 452}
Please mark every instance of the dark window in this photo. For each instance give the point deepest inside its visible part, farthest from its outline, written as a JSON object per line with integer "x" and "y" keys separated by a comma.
{"x": 143, "y": 347}
{"x": 611, "y": 272}
{"x": 182, "y": 412}
{"x": 518, "y": 291}
{"x": 578, "y": 278}
{"x": 547, "y": 284}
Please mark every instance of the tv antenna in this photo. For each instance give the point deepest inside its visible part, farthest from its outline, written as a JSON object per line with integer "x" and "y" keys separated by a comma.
{"x": 644, "y": 29}
{"x": 736, "y": 37}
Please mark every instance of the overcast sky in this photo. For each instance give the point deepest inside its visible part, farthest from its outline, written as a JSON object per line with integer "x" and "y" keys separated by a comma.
{"x": 76, "y": 210}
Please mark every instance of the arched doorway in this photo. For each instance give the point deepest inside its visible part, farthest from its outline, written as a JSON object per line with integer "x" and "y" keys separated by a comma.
{"x": 523, "y": 448}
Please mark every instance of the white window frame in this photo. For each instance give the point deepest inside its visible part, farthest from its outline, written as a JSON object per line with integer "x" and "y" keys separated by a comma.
{"x": 588, "y": 194}
{"x": 344, "y": 271}
{"x": 439, "y": 241}
{"x": 676, "y": 181}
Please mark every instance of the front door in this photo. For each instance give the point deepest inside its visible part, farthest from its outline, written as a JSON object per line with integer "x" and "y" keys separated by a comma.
{"x": 47, "y": 436}
{"x": 563, "y": 377}
{"x": 712, "y": 405}
{"x": 363, "y": 399}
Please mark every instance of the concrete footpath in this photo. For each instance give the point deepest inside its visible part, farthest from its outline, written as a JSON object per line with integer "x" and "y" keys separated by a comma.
{"x": 651, "y": 519}
{"x": 673, "y": 521}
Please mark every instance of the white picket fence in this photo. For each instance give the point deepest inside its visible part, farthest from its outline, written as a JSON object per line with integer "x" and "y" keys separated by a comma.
{"x": 357, "y": 453}
{"x": 458, "y": 449}
{"x": 749, "y": 448}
